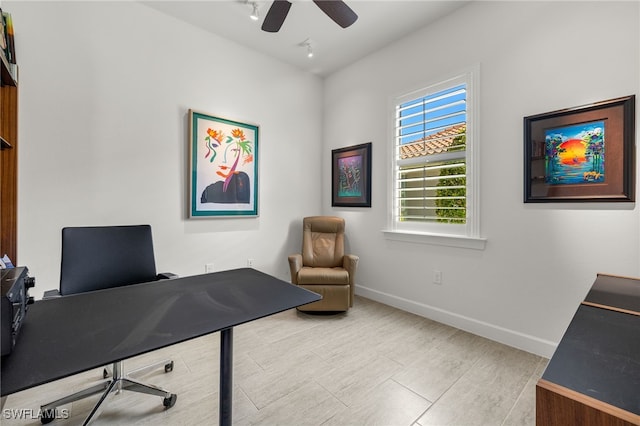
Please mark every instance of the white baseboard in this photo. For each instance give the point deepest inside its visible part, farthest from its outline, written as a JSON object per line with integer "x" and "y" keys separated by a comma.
{"x": 532, "y": 344}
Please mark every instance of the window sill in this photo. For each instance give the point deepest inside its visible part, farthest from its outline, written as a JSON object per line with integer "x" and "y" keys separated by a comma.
{"x": 436, "y": 239}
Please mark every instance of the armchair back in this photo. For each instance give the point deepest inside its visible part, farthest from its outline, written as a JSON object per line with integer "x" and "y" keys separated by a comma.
{"x": 323, "y": 241}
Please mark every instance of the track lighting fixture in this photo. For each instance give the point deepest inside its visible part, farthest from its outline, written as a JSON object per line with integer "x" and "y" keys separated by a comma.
{"x": 254, "y": 14}
{"x": 307, "y": 44}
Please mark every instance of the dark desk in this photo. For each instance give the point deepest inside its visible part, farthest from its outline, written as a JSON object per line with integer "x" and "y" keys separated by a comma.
{"x": 593, "y": 377}
{"x": 72, "y": 334}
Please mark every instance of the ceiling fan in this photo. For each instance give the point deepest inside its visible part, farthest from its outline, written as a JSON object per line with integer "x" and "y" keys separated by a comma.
{"x": 337, "y": 10}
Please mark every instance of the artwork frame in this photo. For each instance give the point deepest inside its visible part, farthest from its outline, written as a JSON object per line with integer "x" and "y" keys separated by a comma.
{"x": 356, "y": 193}
{"x": 220, "y": 185}
{"x": 581, "y": 154}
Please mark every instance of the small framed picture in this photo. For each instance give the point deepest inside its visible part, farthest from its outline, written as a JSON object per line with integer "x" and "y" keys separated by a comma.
{"x": 351, "y": 176}
{"x": 585, "y": 153}
{"x": 223, "y": 167}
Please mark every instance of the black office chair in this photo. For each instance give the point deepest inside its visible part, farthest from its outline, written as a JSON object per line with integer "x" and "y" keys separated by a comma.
{"x": 97, "y": 258}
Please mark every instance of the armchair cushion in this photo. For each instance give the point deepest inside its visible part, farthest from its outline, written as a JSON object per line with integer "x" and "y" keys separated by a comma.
{"x": 333, "y": 276}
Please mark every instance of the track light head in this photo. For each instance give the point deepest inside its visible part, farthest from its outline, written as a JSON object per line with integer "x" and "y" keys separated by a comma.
{"x": 307, "y": 44}
{"x": 254, "y": 13}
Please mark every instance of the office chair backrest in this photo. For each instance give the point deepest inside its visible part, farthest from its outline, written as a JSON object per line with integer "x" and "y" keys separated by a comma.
{"x": 322, "y": 241}
{"x": 99, "y": 257}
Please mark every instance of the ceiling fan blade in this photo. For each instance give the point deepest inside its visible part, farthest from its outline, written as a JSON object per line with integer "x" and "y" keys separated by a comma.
{"x": 276, "y": 16}
{"x": 337, "y": 10}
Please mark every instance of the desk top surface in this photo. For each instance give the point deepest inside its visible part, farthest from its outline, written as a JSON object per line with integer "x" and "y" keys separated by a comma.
{"x": 599, "y": 356}
{"x": 71, "y": 334}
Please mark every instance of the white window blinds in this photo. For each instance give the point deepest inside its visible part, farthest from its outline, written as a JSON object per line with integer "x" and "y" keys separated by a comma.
{"x": 430, "y": 183}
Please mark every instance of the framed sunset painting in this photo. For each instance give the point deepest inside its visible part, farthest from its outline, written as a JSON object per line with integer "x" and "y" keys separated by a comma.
{"x": 585, "y": 153}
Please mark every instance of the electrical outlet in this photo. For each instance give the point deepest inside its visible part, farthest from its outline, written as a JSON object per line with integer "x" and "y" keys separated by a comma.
{"x": 437, "y": 277}
{"x": 209, "y": 268}
{"x": 250, "y": 263}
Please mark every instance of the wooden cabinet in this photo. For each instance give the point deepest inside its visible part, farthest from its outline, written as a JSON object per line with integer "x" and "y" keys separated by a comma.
{"x": 8, "y": 162}
{"x": 593, "y": 378}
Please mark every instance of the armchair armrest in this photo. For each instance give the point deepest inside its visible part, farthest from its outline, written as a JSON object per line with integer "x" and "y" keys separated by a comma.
{"x": 350, "y": 263}
{"x": 295, "y": 264}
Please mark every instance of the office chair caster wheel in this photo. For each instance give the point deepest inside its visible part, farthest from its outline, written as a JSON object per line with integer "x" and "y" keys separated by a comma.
{"x": 171, "y": 401}
{"x": 47, "y": 416}
{"x": 168, "y": 367}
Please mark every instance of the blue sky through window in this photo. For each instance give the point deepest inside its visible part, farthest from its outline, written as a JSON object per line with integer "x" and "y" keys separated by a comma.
{"x": 431, "y": 114}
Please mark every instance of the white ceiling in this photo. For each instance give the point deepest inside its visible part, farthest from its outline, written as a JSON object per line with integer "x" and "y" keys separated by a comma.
{"x": 379, "y": 23}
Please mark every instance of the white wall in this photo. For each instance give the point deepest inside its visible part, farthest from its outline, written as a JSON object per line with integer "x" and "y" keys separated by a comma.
{"x": 104, "y": 92}
{"x": 540, "y": 260}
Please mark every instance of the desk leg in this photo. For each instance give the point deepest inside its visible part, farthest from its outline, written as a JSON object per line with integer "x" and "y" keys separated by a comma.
{"x": 226, "y": 376}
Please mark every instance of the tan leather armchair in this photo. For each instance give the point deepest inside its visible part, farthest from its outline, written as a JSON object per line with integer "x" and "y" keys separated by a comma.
{"x": 323, "y": 267}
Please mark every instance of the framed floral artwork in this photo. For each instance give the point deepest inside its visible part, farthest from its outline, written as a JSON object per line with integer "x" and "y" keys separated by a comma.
{"x": 223, "y": 167}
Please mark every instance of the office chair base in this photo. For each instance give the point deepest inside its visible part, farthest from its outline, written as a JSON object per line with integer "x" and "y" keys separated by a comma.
{"x": 168, "y": 367}
{"x": 118, "y": 383}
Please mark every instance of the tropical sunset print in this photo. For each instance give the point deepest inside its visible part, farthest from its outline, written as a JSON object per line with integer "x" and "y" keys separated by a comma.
{"x": 575, "y": 154}
{"x": 572, "y": 152}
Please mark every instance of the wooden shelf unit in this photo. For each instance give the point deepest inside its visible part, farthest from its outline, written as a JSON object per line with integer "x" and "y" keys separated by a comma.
{"x": 8, "y": 162}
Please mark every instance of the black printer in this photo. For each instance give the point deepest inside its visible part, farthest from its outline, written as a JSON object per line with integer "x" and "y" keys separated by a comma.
{"x": 15, "y": 283}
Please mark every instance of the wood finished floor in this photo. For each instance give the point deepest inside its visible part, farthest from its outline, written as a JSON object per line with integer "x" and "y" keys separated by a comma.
{"x": 374, "y": 365}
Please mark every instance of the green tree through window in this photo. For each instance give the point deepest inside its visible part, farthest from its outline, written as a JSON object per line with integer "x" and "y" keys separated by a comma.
{"x": 451, "y": 194}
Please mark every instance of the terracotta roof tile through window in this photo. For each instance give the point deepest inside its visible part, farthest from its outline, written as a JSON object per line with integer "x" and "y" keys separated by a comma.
{"x": 432, "y": 144}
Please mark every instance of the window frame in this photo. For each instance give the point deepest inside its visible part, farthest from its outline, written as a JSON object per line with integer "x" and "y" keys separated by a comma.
{"x": 463, "y": 235}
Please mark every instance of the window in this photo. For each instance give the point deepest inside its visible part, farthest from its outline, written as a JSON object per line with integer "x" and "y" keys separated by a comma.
{"x": 434, "y": 185}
